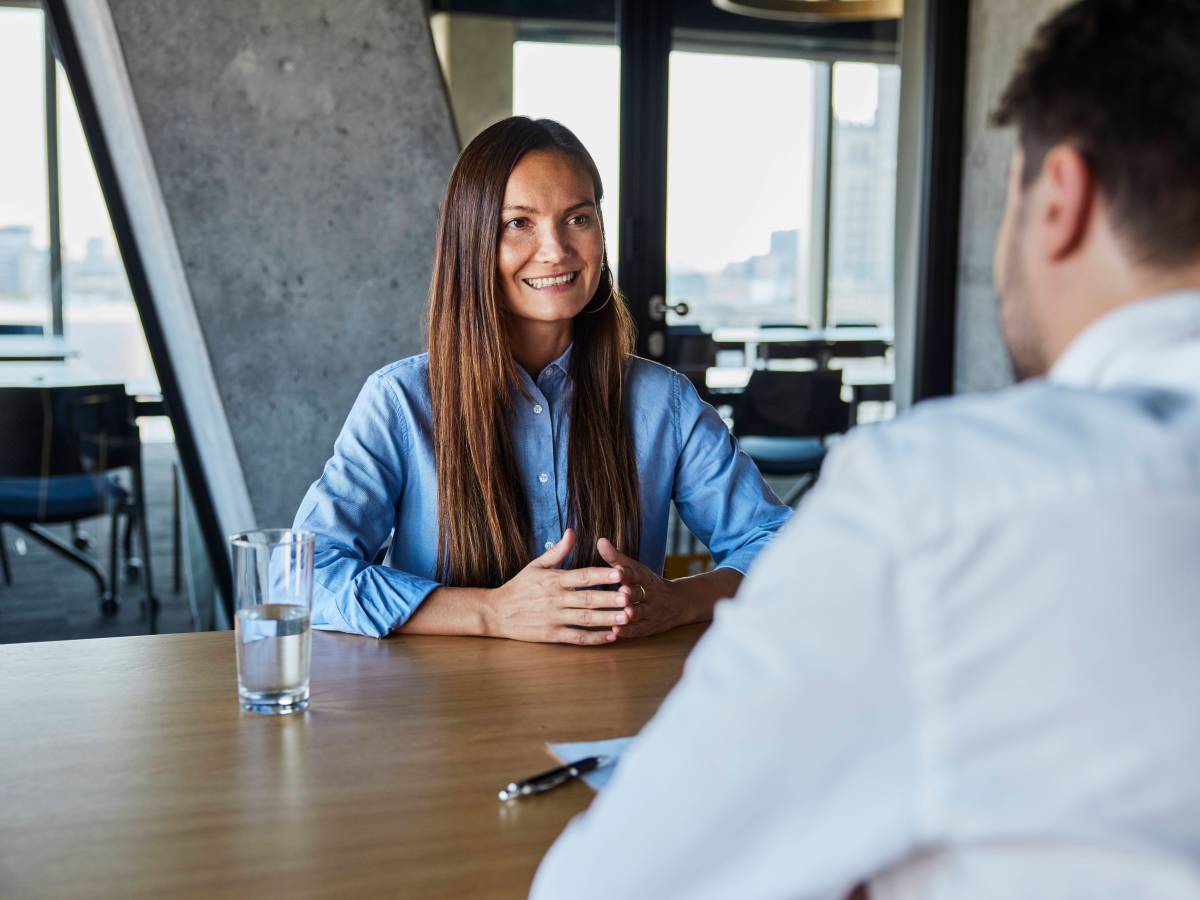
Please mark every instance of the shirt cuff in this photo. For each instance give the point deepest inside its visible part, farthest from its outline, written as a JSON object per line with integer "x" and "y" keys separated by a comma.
{"x": 374, "y": 602}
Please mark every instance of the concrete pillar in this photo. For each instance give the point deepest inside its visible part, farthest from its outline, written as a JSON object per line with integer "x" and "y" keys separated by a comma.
{"x": 476, "y": 54}
{"x": 999, "y": 31}
{"x": 302, "y": 148}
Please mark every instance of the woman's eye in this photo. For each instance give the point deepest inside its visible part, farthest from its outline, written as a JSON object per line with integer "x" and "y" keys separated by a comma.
{"x": 516, "y": 224}
{"x": 581, "y": 219}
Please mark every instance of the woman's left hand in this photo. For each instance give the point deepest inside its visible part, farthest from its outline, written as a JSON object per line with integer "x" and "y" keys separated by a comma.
{"x": 652, "y": 603}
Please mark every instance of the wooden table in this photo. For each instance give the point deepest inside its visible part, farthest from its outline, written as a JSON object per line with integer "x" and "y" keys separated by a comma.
{"x": 127, "y": 769}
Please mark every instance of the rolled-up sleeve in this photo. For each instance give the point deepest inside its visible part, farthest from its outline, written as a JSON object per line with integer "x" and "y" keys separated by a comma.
{"x": 351, "y": 509}
{"x": 719, "y": 492}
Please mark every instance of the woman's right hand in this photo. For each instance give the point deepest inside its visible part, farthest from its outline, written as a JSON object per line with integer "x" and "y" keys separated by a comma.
{"x": 545, "y": 603}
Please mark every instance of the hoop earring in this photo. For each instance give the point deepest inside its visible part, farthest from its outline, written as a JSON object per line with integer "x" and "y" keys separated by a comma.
{"x": 602, "y": 306}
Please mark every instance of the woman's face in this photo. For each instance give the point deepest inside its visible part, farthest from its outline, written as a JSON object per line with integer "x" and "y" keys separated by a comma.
{"x": 551, "y": 246}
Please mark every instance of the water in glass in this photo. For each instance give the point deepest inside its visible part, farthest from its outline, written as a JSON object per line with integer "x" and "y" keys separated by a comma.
{"x": 273, "y": 649}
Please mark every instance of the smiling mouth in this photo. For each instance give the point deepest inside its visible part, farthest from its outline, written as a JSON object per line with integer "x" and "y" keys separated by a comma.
{"x": 550, "y": 281}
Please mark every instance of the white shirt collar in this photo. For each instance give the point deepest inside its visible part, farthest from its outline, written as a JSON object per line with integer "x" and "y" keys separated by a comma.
{"x": 1149, "y": 342}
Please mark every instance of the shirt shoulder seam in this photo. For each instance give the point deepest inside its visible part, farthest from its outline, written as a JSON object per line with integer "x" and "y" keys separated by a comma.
{"x": 393, "y": 399}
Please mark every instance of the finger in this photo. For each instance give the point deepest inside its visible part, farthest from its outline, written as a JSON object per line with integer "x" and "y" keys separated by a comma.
{"x": 591, "y": 600}
{"x": 611, "y": 555}
{"x": 641, "y": 628}
{"x": 557, "y": 555}
{"x": 567, "y": 635}
{"x": 593, "y": 618}
{"x": 634, "y": 595}
{"x": 627, "y": 575}
{"x": 593, "y": 575}
{"x": 636, "y": 613}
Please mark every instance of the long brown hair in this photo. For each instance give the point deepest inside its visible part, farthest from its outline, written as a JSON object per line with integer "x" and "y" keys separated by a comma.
{"x": 483, "y": 513}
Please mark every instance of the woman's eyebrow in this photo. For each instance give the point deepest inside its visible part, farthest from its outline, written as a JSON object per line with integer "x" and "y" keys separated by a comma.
{"x": 516, "y": 207}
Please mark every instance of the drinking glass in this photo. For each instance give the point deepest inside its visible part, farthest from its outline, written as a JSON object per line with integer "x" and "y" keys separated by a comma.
{"x": 272, "y": 586}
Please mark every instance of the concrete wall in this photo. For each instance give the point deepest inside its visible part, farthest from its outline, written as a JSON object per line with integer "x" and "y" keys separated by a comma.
{"x": 1000, "y": 29}
{"x": 302, "y": 148}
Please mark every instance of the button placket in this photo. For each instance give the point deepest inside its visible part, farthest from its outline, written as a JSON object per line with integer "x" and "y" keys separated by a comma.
{"x": 550, "y": 386}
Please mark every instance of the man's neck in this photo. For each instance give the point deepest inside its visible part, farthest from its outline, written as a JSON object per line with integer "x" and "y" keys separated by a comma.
{"x": 1128, "y": 287}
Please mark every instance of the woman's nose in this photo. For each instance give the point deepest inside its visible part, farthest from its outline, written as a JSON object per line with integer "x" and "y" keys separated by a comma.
{"x": 553, "y": 245}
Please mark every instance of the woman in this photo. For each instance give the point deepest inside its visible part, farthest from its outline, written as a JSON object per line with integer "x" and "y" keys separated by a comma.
{"x": 525, "y": 466}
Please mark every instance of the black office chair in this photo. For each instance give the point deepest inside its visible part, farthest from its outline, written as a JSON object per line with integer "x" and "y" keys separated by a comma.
{"x": 782, "y": 420}
{"x": 858, "y": 349}
{"x": 55, "y": 465}
{"x": 691, "y": 351}
{"x": 79, "y": 537}
{"x": 769, "y": 350}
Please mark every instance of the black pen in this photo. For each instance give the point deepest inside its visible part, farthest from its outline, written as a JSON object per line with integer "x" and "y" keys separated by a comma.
{"x": 546, "y": 780}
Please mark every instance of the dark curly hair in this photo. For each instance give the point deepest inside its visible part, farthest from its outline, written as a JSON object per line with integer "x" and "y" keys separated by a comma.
{"x": 1120, "y": 81}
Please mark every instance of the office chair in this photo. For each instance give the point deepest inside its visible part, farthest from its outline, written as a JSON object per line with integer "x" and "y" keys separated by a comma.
{"x": 769, "y": 350}
{"x": 55, "y": 468}
{"x": 782, "y": 420}
{"x": 81, "y": 539}
{"x": 691, "y": 351}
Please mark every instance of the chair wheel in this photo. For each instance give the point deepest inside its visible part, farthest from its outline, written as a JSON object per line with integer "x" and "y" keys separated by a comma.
{"x": 108, "y": 606}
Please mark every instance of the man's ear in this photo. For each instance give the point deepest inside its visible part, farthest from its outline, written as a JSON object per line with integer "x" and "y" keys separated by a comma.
{"x": 1066, "y": 198}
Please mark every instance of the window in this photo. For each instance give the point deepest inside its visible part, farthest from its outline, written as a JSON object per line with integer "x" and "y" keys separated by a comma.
{"x": 24, "y": 238}
{"x": 866, "y": 107}
{"x": 749, "y": 238}
{"x": 99, "y": 318}
{"x": 741, "y": 150}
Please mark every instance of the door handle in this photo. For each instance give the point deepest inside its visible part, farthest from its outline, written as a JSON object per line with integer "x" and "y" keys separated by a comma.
{"x": 659, "y": 308}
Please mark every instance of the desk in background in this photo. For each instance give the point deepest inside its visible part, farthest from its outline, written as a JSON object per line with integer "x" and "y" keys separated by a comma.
{"x": 127, "y": 768}
{"x": 826, "y": 343}
{"x": 867, "y": 384}
{"x": 47, "y": 373}
{"x": 34, "y": 348}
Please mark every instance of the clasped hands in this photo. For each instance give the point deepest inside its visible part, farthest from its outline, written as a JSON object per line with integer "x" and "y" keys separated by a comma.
{"x": 546, "y": 603}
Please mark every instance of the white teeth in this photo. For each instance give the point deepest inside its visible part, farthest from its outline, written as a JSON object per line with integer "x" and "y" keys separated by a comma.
{"x": 547, "y": 282}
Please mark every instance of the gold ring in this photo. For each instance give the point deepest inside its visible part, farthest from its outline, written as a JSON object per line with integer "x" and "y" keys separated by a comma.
{"x": 643, "y": 590}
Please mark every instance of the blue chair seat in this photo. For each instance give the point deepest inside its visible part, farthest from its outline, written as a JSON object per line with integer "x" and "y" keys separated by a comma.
{"x": 784, "y": 455}
{"x": 62, "y": 498}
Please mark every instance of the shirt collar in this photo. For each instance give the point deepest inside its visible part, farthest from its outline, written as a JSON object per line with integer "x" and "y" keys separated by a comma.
{"x": 562, "y": 362}
{"x": 553, "y": 377}
{"x": 1139, "y": 343}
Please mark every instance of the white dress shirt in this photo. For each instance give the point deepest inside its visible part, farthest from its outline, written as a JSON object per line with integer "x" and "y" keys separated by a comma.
{"x": 969, "y": 667}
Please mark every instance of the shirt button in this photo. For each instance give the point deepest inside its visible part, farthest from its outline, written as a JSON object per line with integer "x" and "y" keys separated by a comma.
{"x": 543, "y": 478}
{"x": 537, "y": 408}
{"x": 549, "y": 544}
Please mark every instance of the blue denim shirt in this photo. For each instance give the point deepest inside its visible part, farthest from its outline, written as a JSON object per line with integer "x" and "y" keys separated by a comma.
{"x": 381, "y": 482}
